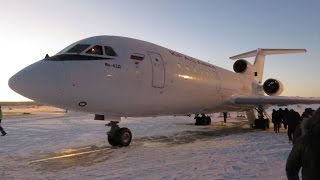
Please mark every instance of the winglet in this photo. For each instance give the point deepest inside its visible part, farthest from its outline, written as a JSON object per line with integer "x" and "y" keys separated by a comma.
{"x": 260, "y": 54}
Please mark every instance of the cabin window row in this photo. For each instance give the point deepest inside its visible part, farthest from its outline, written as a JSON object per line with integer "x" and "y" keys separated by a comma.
{"x": 198, "y": 71}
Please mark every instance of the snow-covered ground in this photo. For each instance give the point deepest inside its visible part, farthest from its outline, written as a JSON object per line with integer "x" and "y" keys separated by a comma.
{"x": 73, "y": 146}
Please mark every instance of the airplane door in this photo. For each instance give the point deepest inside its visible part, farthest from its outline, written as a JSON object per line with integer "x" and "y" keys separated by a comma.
{"x": 158, "y": 70}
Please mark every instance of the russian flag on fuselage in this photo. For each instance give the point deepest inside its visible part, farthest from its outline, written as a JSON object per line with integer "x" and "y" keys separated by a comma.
{"x": 137, "y": 56}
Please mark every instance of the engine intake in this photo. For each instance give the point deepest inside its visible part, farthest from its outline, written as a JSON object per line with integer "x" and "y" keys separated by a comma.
{"x": 240, "y": 66}
{"x": 273, "y": 87}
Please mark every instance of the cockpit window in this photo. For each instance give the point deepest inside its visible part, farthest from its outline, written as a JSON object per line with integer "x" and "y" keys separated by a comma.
{"x": 95, "y": 50}
{"x": 78, "y": 48}
{"x": 109, "y": 51}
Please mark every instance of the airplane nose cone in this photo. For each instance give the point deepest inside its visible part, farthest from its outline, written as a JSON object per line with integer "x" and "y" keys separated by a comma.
{"x": 15, "y": 81}
{"x": 21, "y": 81}
{"x": 39, "y": 82}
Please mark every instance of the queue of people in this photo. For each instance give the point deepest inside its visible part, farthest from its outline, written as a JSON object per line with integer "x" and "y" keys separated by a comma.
{"x": 305, "y": 152}
{"x": 291, "y": 121}
{"x": 304, "y": 133}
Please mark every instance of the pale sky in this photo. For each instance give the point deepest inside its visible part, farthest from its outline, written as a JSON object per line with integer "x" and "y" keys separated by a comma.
{"x": 210, "y": 30}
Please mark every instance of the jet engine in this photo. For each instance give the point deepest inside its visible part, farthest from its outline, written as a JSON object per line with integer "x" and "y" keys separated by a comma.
{"x": 243, "y": 67}
{"x": 273, "y": 87}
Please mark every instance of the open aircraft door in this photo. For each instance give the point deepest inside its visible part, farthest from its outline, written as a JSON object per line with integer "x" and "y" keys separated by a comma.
{"x": 158, "y": 70}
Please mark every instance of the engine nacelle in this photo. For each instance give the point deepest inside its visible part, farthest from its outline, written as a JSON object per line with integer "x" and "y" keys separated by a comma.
{"x": 243, "y": 67}
{"x": 273, "y": 87}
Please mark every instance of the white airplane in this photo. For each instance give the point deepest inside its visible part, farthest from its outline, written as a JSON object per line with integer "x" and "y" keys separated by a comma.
{"x": 116, "y": 77}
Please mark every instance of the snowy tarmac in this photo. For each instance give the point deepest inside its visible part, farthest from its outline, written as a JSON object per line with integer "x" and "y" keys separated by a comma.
{"x": 74, "y": 146}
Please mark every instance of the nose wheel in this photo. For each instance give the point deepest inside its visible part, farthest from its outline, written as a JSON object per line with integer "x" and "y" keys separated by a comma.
{"x": 119, "y": 136}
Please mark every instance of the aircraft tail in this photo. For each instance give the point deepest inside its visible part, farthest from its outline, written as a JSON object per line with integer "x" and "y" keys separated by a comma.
{"x": 260, "y": 54}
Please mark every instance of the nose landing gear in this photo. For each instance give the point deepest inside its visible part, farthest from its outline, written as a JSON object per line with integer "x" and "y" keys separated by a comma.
{"x": 118, "y": 136}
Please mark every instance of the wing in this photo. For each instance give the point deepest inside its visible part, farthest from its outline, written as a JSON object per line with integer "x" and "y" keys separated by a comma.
{"x": 272, "y": 100}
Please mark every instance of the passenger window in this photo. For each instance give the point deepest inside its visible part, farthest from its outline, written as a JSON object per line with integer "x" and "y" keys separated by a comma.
{"x": 95, "y": 50}
{"x": 78, "y": 48}
{"x": 109, "y": 51}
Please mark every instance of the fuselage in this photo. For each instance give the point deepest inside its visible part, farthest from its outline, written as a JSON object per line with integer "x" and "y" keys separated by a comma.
{"x": 130, "y": 78}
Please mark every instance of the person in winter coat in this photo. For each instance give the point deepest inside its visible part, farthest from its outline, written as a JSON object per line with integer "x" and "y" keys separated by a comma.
{"x": 305, "y": 152}
{"x": 292, "y": 119}
{"x": 1, "y": 129}
{"x": 276, "y": 119}
{"x": 305, "y": 115}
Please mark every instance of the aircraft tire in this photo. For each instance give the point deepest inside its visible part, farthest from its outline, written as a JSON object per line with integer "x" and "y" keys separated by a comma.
{"x": 112, "y": 140}
{"x": 123, "y": 137}
{"x": 198, "y": 121}
{"x": 268, "y": 124}
{"x": 208, "y": 120}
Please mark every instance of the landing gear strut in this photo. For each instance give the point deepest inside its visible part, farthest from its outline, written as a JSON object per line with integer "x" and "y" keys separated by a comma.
{"x": 203, "y": 120}
{"x": 118, "y": 136}
{"x": 225, "y": 117}
{"x": 261, "y": 122}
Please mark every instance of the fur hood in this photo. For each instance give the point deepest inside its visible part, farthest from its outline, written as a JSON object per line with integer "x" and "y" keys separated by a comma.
{"x": 311, "y": 124}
